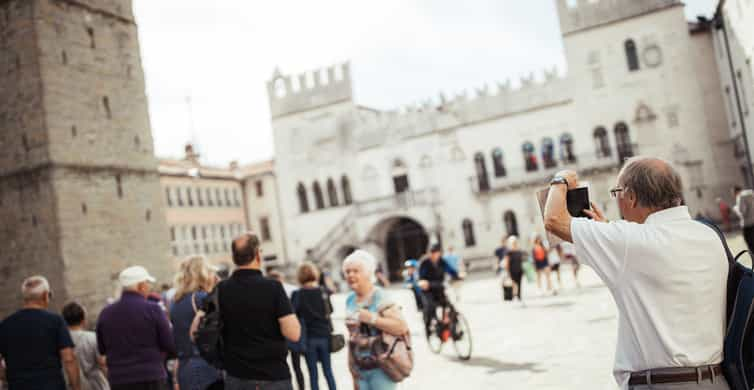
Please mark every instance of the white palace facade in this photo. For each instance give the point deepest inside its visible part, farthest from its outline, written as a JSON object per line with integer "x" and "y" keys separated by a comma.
{"x": 462, "y": 170}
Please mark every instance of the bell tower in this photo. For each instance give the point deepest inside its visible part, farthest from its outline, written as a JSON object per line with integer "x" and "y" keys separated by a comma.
{"x": 79, "y": 188}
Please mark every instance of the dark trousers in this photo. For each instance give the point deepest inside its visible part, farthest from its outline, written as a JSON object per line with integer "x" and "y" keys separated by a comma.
{"x": 749, "y": 238}
{"x": 432, "y": 301}
{"x": 318, "y": 350}
{"x": 296, "y": 363}
{"x": 232, "y": 383}
{"x": 153, "y": 385}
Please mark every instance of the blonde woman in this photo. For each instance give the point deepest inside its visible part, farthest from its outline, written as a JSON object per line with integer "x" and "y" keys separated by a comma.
{"x": 194, "y": 281}
{"x": 369, "y": 310}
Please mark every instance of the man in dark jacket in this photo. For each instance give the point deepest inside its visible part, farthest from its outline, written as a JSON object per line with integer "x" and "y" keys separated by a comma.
{"x": 135, "y": 337}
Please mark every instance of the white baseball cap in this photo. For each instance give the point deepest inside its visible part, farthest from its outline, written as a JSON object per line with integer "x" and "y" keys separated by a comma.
{"x": 135, "y": 275}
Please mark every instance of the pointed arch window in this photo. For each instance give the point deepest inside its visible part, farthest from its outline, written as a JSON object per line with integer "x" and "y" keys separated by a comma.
{"x": 548, "y": 153}
{"x": 319, "y": 200}
{"x": 303, "y": 200}
{"x": 623, "y": 142}
{"x": 530, "y": 158}
{"x": 480, "y": 166}
{"x": 400, "y": 176}
{"x": 498, "y": 163}
{"x": 567, "y": 154}
{"x": 345, "y": 185}
{"x": 332, "y": 193}
{"x": 632, "y": 56}
{"x": 602, "y": 142}
{"x": 468, "y": 233}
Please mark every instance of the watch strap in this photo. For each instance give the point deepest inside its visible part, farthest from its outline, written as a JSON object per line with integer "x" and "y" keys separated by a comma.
{"x": 559, "y": 180}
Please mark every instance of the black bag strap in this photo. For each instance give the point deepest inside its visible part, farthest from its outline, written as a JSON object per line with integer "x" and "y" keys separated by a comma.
{"x": 728, "y": 253}
{"x": 328, "y": 308}
{"x": 294, "y": 300}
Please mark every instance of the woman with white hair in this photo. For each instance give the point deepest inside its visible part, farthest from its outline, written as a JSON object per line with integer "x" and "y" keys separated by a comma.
{"x": 513, "y": 263}
{"x": 369, "y": 313}
{"x": 194, "y": 281}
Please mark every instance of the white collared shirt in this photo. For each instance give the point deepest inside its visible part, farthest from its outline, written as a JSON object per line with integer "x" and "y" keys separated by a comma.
{"x": 668, "y": 278}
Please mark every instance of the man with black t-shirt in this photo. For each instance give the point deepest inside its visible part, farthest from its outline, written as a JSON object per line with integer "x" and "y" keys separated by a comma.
{"x": 36, "y": 344}
{"x": 257, "y": 318}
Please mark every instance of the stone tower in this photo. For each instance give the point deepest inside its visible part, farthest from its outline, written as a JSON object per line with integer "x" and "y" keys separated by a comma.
{"x": 79, "y": 189}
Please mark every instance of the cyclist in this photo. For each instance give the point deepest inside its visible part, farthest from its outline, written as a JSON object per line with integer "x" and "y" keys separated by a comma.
{"x": 431, "y": 280}
{"x": 411, "y": 281}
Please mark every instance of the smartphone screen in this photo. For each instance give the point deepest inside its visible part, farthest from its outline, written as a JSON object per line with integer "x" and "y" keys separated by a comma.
{"x": 577, "y": 200}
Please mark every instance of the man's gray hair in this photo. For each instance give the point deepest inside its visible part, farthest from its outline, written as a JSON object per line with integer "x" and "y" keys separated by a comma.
{"x": 34, "y": 288}
{"x": 654, "y": 182}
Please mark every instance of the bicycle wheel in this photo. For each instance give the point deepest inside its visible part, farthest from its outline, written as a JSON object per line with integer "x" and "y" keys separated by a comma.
{"x": 462, "y": 341}
{"x": 434, "y": 339}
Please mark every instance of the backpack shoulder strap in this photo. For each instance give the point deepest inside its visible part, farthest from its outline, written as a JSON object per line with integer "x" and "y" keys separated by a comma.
{"x": 294, "y": 300}
{"x": 728, "y": 254}
{"x": 215, "y": 296}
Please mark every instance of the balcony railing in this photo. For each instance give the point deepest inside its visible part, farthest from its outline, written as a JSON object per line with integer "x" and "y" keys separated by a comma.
{"x": 518, "y": 177}
{"x": 401, "y": 201}
{"x": 343, "y": 229}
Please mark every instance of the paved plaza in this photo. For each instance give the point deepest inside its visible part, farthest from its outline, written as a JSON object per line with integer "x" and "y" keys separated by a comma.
{"x": 555, "y": 342}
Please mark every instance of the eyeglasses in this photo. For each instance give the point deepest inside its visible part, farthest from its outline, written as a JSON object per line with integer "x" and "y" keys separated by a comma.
{"x": 615, "y": 191}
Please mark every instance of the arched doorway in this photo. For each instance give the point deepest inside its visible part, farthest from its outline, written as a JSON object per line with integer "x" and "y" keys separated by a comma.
{"x": 406, "y": 239}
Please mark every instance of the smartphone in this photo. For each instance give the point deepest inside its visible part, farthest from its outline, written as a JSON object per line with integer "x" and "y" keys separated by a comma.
{"x": 577, "y": 200}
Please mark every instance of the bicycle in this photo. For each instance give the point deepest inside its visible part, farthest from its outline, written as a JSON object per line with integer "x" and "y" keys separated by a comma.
{"x": 452, "y": 325}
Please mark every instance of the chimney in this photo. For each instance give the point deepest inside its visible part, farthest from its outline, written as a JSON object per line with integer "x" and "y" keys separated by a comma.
{"x": 191, "y": 155}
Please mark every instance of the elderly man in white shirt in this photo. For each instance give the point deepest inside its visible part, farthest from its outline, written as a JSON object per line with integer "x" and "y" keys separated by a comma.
{"x": 666, "y": 272}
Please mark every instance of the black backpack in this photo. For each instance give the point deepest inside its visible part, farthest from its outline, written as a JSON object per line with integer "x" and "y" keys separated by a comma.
{"x": 738, "y": 347}
{"x": 209, "y": 334}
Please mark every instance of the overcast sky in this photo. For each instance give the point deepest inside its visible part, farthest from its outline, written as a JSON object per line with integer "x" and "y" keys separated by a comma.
{"x": 221, "y": 53}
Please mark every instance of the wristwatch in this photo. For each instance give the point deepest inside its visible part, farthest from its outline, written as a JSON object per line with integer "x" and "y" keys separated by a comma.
{"x": 559, "y": 180}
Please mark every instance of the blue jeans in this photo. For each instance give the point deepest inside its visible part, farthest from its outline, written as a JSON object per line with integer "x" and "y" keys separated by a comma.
{"x": 318, "y": 350}
{"x": 375, "y": 380}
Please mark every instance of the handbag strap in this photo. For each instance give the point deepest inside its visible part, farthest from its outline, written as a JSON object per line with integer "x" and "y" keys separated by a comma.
{"x": 328, "y": 308}
{"x": 193, "y": 302}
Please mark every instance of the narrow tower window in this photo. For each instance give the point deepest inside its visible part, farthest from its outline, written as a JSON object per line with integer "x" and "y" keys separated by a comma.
{"x": 119, "y": 186}
{"x": 106, "y": 106}
{"x": 631, "y": 55}
{"x": 90, "y": 32}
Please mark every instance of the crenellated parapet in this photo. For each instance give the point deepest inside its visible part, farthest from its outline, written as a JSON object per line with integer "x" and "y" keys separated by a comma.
{"x": 289, "y": 94}
{"x": 463, "y": 108}
{"x": 577, "y": 15}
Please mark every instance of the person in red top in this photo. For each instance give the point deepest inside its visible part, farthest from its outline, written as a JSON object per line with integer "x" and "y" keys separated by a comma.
{"x": 539, "y": 254}
{"x": 724, "y": 213}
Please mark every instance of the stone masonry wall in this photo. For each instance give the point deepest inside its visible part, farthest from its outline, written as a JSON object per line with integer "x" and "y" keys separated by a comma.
{"x": 29, "y": 237}
{"x": 79, "y": 188}
{"x": 23, "y": 139}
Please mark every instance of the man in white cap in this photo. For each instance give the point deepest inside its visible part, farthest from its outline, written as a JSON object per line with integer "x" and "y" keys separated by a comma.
{"x": 134, "y": 335}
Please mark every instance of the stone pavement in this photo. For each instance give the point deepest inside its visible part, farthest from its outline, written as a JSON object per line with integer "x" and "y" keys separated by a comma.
{"x": 565, "y": 341}
{"x": 555, "y": 342}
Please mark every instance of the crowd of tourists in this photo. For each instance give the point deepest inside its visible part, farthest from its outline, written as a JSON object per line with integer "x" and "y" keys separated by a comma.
{"x": 666, "y": 272}
{"x": 144, "y": 340}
